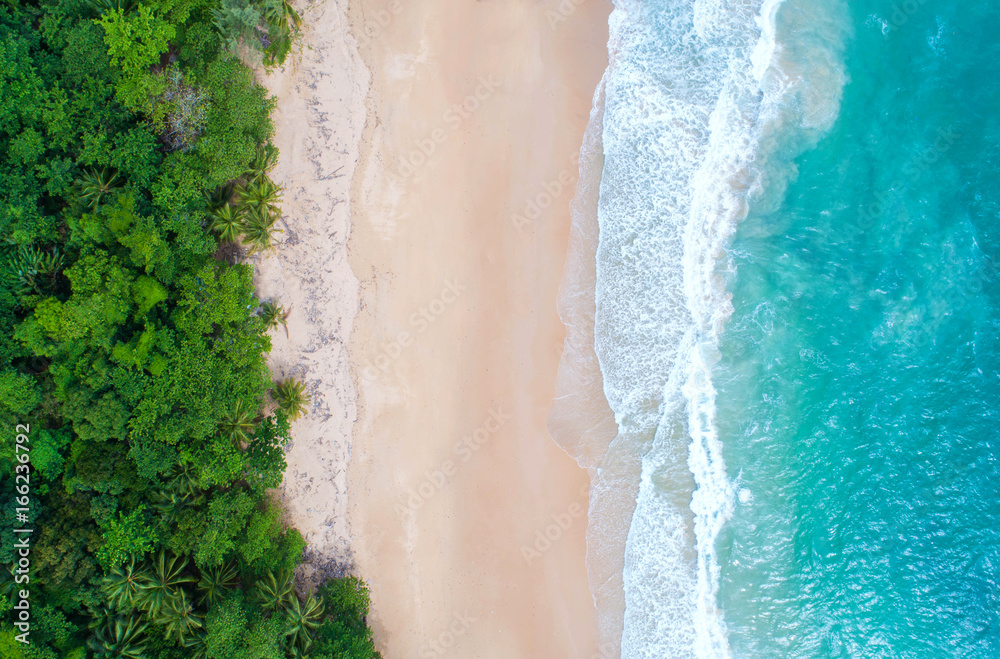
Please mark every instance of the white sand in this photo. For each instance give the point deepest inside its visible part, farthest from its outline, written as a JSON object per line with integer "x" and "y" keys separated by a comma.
{"x": 457, "y": 301}
{"x": 318, "y": 125}
{"x": 468, "y": 520}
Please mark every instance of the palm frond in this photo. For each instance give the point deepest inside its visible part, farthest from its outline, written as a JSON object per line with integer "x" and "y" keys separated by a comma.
{"x": 95, "y": 185}
{"x": 257, "y": 228}
{"x": 272, "y": 315}
{"x": 291, "y": 397}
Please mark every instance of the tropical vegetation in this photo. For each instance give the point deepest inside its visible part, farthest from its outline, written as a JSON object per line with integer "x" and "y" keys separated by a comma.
{"x": 134, "y": 158}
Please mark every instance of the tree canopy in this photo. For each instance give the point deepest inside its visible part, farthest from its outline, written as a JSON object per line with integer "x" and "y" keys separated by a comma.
{"x": 134, "y": 348}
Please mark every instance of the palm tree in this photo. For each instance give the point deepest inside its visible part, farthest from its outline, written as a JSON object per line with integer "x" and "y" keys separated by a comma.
{"x": 170, "y": 505}
{"x": 179, "y": 621}
{"x": 30, "y": 269}
{"x": 278, "y": 43}
{"x": 183, "y": 479}
{"x": 120, "y": 639}
{"x": 295, "y": 652}
{"x": 282, "y": 14}
{"x": 220, "y": 196}
{"x": 257, "y": 227}
{"x": 94, "y": 185}
{"x": 215, "y": 582}
{"x": 101, "y": 618}
{"x": 105, "y": 6}
{"x": 273, "y": 315}
{"x": 261, "y": 193}
{"x": 291, "y": 397}
{"x": 263, "y": 162}
{"x": 227, "y": 222}
{"x": 122, "y": 584}
{"x": 162, "y": 588}
{"x": 238, "y": 424}
{"x": 198, "y": 645}
{"x": 303, "y": 619}
{"x": 275, "y": 592}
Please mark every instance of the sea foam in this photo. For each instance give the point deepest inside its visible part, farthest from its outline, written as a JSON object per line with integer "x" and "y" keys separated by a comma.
{"x": 706, "y": 105}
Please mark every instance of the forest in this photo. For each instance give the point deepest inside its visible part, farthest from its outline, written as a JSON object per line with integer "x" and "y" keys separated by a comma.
{"x": 141, "y": 423}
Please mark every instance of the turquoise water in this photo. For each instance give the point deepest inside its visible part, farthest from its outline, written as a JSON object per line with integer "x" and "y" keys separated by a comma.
{"x": 796, "y": 322}
{"x": 858, "y": 389}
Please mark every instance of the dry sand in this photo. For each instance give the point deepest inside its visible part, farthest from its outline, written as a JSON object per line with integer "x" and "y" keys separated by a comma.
{"x": 318, "y": 125}
{"x": 467, "y": 520}
{"x": 465, "y": 517}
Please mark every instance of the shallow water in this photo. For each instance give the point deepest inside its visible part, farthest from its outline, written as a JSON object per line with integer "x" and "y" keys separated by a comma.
{"x": 796, "y": 324}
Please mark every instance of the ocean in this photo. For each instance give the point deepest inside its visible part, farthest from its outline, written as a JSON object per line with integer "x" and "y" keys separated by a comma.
{"x": 787, "y": 248}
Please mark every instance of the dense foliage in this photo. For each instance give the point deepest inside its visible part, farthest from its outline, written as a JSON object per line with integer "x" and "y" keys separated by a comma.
{"x": 133, "y": 343}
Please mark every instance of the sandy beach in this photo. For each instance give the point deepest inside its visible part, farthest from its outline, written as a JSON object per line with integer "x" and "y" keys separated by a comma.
{"x": 425, "y": 232}
{"x": 467, "y": 520}
{"x": 318, "y": 123}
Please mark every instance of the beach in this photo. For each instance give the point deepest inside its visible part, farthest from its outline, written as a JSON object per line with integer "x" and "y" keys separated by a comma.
{"x": 467, "y": 520}
{"x": 318, "y": 122}
{"x": 425, "y": 231}
{"x": 501, "y": 329}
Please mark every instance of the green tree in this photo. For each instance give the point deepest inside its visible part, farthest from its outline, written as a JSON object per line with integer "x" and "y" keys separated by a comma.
{"x": 272, "y": 315}
{"x": 122, "y": 584}
{"x": 237, "y": 630}
{"x": 303, "y": 620}
{"x": 122, "y": 638}
{"x": 238, "y": 23}
{"x": 162, "y": 586}
{"x": 105, "y": 6}
{"x": 135, "y": 42}
{"x": 264, "y": 456}
{"x": 275, "y": 591}
{"x": 222, "y": 525}
{"x": 19, "y": 395}
{"x": 215, "y": 582}
{"x": 291, "y": 397}
{"x": 238, "y": 119}
{"x": 95, "y": 185}
{"x": 343, "y": 633}
{"x": 139, "y": 359}
{"x": 227, "y": 222}
{"x": 127, "y": 537}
